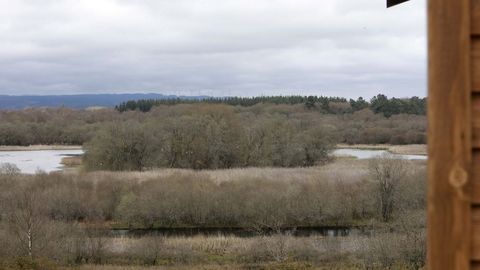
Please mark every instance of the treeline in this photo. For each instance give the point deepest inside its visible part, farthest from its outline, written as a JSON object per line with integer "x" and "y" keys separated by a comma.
{"x": 330, "y": 105}
{"x": 146, "y": 105}
{"x": 76, "y": 127}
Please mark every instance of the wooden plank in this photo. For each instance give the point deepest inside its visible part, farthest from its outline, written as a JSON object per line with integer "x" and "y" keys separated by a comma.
{"x": 449, "y": 135}
{"x": 476, "y": 178}
{"x": 476, "y": 122}
{"x": 475, "y": 17}
{"x": 476, "y": 235}
{"x": 476, "y": 64}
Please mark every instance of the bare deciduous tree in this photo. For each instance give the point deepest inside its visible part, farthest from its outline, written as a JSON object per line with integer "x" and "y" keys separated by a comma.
{"x": 26, "y": 220}
{"x": 387, "y": 172}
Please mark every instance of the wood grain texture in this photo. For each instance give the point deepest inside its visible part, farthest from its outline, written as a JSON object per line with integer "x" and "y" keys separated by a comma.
{"x": 449, "y": 134}
{"x": 476, "y": 235}
{"x": 476, "y": 178}
{"x": 475, "y": 25}
{"x": 476, "y": 123}
{"x": 476, "y": 64}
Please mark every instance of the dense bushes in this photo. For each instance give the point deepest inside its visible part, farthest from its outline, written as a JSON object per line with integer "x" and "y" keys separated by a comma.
{"x": 51, "y": 126}
{"x": 209, "y": 137}
{"x": 66, "y": 126}
{"x": 245, "y": 198}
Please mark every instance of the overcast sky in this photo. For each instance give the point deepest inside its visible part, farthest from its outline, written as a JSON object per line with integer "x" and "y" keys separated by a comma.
{"x": 344, "y": 48}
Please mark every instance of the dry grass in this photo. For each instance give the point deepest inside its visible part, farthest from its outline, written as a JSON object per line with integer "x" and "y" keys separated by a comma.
{"x": 269, "y": 266}
{"x": 229, "y": 244}
{"x": 185, "y": 267}
{"x": 409, "y": 149}
{"x": 39, "y": 147}
{"x": 345, "y": 170}
{"x": 229, "y": 252}
{"x": 364, "y": 146}
{"x": 267, "y": 252}
{"x": 72, "y": 161}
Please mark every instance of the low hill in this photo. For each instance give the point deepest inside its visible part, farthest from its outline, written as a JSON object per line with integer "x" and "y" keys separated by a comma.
{"x": 80, "y": 101}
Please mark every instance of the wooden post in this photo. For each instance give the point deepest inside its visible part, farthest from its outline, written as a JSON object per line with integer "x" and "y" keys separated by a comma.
{"x": 449, "y": 244}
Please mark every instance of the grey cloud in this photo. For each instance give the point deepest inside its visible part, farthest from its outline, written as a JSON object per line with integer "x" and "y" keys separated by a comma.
{"x": 217, "y": 47}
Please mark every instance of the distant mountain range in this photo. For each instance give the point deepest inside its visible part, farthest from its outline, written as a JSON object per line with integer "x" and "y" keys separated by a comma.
{"x": 79, "y": 101}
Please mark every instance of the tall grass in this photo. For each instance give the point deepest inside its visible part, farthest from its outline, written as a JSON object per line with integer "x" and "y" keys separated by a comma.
{"x": 380, "y": 251}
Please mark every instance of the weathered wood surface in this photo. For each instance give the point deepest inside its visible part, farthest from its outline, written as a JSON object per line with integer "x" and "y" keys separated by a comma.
{"x": 475, "y": 26}
{"x": 476, "y": 178}
{"x": 449, "y": 243}
{"x": 476, "y": 64}
{"x": 476, "y": 235}
{"x": 476, "y": 121}
{"x": 475, "y": 78}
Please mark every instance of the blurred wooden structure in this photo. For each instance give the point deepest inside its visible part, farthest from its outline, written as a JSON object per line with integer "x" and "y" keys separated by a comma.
{"x": 452, "y": 144}
{"x": 453, "y": 134}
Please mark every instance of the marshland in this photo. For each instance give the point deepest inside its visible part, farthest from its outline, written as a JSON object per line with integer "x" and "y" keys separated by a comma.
{"x": 215, "y": 186}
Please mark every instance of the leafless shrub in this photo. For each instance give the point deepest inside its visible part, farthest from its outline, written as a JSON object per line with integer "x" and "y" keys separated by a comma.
{"x": 278, "y": 246}
{"x": 389, "y": 249}
{"x": 9, "y": 169}
{"x": 95, "y": 243}
{"x": 150, "y": 250}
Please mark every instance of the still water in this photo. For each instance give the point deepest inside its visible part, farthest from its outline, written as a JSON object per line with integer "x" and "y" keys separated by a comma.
{"x": 367, "y": 154}
{"x": 32, "y": 161}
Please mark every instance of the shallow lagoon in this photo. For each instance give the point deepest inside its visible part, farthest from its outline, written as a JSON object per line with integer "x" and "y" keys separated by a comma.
{"x": 31, "y": 161}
